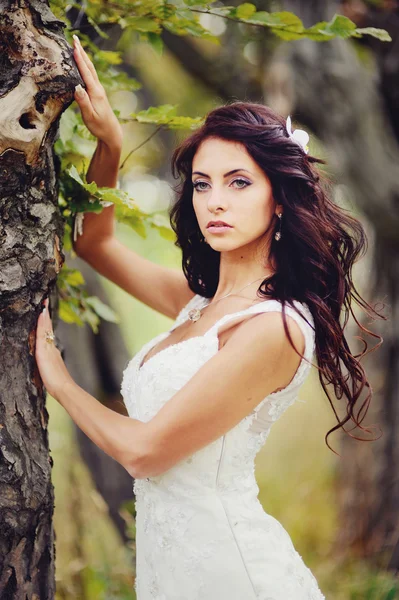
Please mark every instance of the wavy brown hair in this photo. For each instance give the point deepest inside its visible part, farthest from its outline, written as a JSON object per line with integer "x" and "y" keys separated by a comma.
{"x": 314, "y": 258}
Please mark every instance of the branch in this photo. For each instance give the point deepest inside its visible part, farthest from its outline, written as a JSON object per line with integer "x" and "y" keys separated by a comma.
{"x": 140, "y": 145}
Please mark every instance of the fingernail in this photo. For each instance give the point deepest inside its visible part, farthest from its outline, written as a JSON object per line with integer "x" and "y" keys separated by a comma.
{"x": 75, "y": 37}
{"x": 79, "y": 91}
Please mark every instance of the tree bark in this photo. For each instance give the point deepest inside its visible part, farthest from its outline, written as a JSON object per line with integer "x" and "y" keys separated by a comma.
{"x": 37, "y": 79}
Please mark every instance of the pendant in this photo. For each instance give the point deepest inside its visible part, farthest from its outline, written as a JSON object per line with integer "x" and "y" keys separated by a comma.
{"x": 194, "y": 314}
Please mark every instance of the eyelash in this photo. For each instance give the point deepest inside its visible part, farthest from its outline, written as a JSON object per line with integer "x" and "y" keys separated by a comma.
{"x": 197, "y": 183}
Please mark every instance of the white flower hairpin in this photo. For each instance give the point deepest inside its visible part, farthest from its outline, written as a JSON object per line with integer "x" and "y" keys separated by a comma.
{"x": 299, "y": 136}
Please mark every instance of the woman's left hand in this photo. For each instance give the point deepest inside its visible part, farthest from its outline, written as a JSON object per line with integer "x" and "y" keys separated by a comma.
{"x": 52, "y": 368}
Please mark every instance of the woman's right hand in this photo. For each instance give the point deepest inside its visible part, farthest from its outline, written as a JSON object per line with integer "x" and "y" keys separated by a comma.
{"x": 96, "y": 110}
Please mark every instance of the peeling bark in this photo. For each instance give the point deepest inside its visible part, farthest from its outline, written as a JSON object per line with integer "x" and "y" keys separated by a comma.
{"x": 37, "y": 79}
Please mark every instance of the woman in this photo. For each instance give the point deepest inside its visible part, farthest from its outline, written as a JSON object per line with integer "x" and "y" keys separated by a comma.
{"x": 267, "y": 261}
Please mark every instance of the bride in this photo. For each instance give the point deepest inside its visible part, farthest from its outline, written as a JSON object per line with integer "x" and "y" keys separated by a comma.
{"x": 266, "y": 259}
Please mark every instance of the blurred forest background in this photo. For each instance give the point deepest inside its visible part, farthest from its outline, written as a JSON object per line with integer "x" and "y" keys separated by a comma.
{"x": 341, "y": 511}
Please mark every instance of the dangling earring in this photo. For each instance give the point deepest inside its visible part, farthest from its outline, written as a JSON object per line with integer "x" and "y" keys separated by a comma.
{"x": 277, "y": 235}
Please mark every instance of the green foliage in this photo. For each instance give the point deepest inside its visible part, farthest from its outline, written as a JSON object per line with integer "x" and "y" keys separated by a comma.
{"x": 76, "y": 306}
{"x": 288, "y": 26}
{"x": 181, "y": 18}
{"x": 166, "y": 115}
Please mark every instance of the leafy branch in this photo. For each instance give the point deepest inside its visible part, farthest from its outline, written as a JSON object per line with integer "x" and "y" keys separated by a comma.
{"x": 148, "y": 18}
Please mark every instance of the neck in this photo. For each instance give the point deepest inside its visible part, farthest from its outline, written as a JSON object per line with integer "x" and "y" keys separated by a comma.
{"x": 241, "y": 267}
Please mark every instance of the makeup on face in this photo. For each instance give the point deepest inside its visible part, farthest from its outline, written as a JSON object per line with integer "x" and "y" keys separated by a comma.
{"x": 231, "y": 195}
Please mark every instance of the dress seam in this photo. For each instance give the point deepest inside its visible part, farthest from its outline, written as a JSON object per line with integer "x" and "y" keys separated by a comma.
{"x": 228, "y": 518}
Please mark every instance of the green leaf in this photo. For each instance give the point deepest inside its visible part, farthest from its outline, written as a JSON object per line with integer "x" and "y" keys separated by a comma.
{"x": 156, "y": 114}
{"x": 287, "y": 20}
{"x": 164, "y": 11}
{"x": 73, "y": 172}
{"x": 118, "y": 197}
{"x": 245, "y": 11}
{"x": 279, "y": 20}
{"x": 71, "y": 276}
{"x": 92, "y": 319}
{"x": 167, "y": 233}
{"x": 76, "y": 306}
{"x": 161, "y": 222}
{"x": 319, "y": 33}
{"x": 81, "y": 179}
{"x": 102, "y": 310}
{"x": 134, "y": 220}
{"x": 67, "y": 313}
{"x": 287, "y": 35}
{"x": 199, "y": 3}
{"x": 263, "y": 18}
{"x": 89, "y": 187}
{"x": 341, "y": 26}
{"x": 111, "y": 58}
{"x": 380, "y": 34}
{"x": 166, "y": 115}
{"x": 144, "y": 24}
{"x": 156, "y": 42}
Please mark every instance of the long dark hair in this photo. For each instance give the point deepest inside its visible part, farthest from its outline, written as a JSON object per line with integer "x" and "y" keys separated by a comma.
{"x": 314, "y": 258}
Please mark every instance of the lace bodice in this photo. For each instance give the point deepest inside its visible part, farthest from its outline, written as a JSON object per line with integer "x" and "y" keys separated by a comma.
{"x": 202, "y": 519}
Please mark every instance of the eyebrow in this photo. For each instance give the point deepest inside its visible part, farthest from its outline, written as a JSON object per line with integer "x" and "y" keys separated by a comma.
{"x": 225, "y": 175}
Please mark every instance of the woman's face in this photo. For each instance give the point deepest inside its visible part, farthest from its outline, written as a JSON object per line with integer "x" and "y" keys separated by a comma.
{"x": 229, "y": 186}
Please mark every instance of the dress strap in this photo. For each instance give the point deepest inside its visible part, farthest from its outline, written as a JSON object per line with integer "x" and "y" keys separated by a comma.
{"x": 305, "y": 320}
{"x": 259, "y": 307}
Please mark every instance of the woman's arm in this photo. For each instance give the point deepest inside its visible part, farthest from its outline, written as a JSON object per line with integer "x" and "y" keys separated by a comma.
{"x": 256, "y": 360}
{"x": 100, "y": 119}
{"x": 109, "y": 430}
{"x": 99, "y": 227}
{"x": 163, "y": 289}
{"x": 119, "y": 436}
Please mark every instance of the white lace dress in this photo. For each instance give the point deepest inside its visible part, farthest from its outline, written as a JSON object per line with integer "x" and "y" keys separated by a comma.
{"x": 201, "y": 531}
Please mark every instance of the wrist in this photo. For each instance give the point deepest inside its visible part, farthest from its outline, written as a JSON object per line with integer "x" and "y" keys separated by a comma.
{"x": 113, "y": 146}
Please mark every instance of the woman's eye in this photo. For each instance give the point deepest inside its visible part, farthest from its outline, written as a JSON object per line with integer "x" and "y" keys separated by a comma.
{"x": 197, "y": 185}
{"x": 241, "y": 181}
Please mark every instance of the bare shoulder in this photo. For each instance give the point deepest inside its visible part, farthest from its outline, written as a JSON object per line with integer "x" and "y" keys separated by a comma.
{"x": 266, "y": 330}
{"x": 262, "y": 337}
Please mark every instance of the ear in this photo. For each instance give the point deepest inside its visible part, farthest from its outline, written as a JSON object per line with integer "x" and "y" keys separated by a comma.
{"x": 279, "y": 209}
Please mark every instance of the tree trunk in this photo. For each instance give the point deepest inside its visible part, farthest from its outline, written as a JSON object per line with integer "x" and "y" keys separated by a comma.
{"x": 339, "y": 99}
{"x": 36, "y": 84}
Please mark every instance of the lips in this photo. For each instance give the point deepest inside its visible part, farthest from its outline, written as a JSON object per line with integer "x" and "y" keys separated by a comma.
{"x": 217, "y": 224}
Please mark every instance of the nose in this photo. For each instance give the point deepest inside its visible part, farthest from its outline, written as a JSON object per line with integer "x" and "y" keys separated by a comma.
{"x": 217, "y": 200}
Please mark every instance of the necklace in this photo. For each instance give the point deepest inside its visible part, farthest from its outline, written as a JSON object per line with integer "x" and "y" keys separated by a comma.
{"x": 196, "y": 313}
